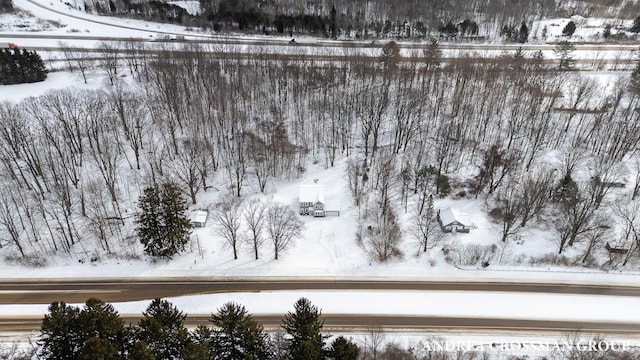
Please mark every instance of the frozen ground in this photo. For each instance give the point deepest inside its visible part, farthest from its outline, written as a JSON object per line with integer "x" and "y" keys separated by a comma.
{"x": 328, "y": 248}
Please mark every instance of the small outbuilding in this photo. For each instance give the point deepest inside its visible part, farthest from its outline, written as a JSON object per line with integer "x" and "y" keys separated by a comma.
{"x": 451, "y": 222}
{"x": 198, "y": 218}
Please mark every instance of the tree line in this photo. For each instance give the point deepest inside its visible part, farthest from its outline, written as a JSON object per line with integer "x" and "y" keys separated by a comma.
{"x": 369, "y": 19}
{"x": 406, "y": 132}
{"x": 96, "y": 331}
{"x": 19, "y": 66}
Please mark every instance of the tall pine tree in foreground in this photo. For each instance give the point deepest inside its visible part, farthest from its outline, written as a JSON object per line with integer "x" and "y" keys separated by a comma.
{"x": 95, "y": 332}
{"x": 238, "y": 336}
{"x": 163, "y": 225}
{"x": 59, "y": 337}
{"x": 161, "y": 332}
{"x": 343, "y": 349}
{"x": 304, "y": 327}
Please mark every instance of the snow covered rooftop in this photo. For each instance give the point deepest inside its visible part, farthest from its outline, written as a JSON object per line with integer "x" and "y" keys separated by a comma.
{"x": 199, "y": 216}
{"x": 448, "y": 216}
{"x": 312, "y": 193}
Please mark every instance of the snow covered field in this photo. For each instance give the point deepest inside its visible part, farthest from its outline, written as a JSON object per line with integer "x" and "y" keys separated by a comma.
{"x": 328, "y": 248}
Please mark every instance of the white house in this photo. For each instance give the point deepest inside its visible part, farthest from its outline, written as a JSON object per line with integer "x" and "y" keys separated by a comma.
{"x": 312, "y": 200}
{"x": 450, "y": 221}
{"x": 198, "y": 218}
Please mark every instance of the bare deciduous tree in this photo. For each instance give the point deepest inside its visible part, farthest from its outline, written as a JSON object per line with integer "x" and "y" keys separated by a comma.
{"x": 77, "y": 58}
{"x": 372, "y": 342}
{"x": 536, "y": 189}
{"x": 110, "y": 52}
{"x": 629, "y": 212}
{"x": 104, "y": 221}
{"x": 357, "y": 177}
{"x": 227, "y": 219}
{"x": 254, "y": 217}
{"x": 8, "y": 221}
{"x": 496, "y": 165}
{"x": 425, "y": 227}
{"x": 185, "y": 167}
{"x": 381, "y": 234}
{"x": 283, "y": 225}
{"x": 130, "y": 110}
{"x": 508, "y": 210}
{"x": 578, "y": 205}
{"x": 103, "y": 148}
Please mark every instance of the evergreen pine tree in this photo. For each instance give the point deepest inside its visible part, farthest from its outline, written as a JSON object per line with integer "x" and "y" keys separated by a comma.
{"x": 141, "y": 351}
{"x": 333, "y": 23}
{"x": 343, "y": 349}
{"x": 238, "y": 335}
{"x": 449, "y": 30}
{"x": 36, "y": 70}
{"x": 567, "y": 192}
{"x": 5, "y": 72}
{"x": 634, "y": 82}
{"x": 569, "y": 29}
{"x": 200, "y": 346}
{"x": 6, "y": 6}
{"x": 13, "y": 74}
{"x": 433, "y": 54}
{"x": 101, "y": 331}
{"x": 95, "y": 332}
{"x": 163, "y": 226}
{"x": 304, "y": 327}
{"x": 162, "y": 330}
{"x": 21, "y": 66}
{"x": 59, "y": 335}
{"x": 635, "y": 28}
{"x": 523, "y": 33}
{"x": 390, "y": 56}
{"x": 564, "y": 51}
{"x": 606, "y": 32}
{"x": 96, "y": 348}
{"x": 149, "y": 222}
{"x": 177, "y": 224}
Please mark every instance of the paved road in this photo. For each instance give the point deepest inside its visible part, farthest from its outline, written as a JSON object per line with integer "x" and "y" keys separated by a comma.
{"x": 361, "y": 323}
{"x": 113, "y": 290}
{"x": 583, "y": 51}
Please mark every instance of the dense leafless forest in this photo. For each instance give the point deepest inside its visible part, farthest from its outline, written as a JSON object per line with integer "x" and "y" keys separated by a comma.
{"x": 541, "y": 148}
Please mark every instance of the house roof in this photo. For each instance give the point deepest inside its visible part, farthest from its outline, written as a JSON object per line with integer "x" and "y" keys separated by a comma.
{"x": 198, "y": 216}
{"x": 448, "y": 216}
{"x": 312, "y": 193}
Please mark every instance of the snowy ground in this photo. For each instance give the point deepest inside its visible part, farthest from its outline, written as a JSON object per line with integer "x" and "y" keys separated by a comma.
{"x": 328, "y": 249}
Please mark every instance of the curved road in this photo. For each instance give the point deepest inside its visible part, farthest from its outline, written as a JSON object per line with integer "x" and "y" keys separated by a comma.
{"x": 141, "y": 33}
